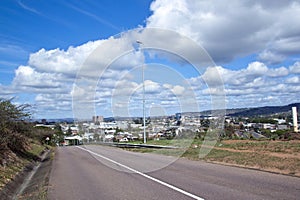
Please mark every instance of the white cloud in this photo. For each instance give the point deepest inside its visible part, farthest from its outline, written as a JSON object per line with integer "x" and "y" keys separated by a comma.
{"x": 27, "y": 77}
{"x": 60, "y": 61}
{"x": 293, "y": 80}
{"x": 256, "y": 81}
{"x": 256, "y": 74}
{"x": 212, "y": 76}
{"x": 178, "y": 90}
{"x": 277, "y": 72}
{"x": 271, "y": 57}
{"x": 125, "y": 87}
{"x": 276, "y": 86}
{"x": 295, "y": 68}
{"x": 152, "y": 87}
{"x": 236, "y": 28}
{"x": 256, "y": 68}
{"x": 53, "y": 105}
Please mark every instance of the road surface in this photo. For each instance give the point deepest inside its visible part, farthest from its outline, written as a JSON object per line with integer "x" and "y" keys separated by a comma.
{"x": 99, "y": 172}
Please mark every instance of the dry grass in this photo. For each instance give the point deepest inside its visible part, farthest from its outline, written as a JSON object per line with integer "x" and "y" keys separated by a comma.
{"x": 275, "y": 156}
{"x": 15, "y": 164}
{"x": 10, "y": 170}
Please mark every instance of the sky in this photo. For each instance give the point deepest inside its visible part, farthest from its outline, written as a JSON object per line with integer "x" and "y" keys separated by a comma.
{"x": 84, "y": 58}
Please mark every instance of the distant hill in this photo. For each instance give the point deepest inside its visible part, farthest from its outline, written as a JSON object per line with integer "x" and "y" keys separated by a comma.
{"x": 53, "y": 121}
{"x": 251, "y": 112}
{"x": 233, "y": 112}
{"x": 262, "y": 111}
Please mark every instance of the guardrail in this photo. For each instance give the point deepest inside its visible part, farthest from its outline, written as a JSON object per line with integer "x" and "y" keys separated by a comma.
{"x": 130, "y": 145}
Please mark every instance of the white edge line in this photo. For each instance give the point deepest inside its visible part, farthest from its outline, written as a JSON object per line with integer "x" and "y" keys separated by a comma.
{"x": 145, "y": 175}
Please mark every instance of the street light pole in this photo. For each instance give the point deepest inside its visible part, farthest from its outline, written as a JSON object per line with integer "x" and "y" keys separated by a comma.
{"x": 144, "y": 113}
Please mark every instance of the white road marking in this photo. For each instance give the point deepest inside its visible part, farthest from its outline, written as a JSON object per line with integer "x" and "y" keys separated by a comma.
{"x": 145, "y": 175}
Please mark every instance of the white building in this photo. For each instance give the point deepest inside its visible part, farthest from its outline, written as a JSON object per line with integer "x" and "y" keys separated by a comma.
{"x": 295, "y": 119}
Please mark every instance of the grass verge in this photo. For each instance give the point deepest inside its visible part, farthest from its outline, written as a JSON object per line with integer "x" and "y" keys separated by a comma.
{"x": 275, "y": 156}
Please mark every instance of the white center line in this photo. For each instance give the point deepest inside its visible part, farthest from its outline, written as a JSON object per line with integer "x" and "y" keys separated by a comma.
{"x": 145, "y": 175}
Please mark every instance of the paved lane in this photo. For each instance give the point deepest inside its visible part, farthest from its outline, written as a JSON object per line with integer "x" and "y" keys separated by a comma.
{"x": 78, "y": 174}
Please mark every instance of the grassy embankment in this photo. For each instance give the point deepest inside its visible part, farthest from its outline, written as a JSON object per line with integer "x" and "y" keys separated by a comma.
{"x": 16, "y": 164}
{"x": 20, "y": 145}
{"x": 274, "y": 156}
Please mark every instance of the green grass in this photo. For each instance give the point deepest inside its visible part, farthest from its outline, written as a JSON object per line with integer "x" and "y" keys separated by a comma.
{"x": 164, "y": 142}
{"x": 36, "y": 149}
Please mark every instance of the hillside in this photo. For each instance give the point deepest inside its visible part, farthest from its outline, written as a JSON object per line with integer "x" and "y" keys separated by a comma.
{"x": 251, "y": 112}
{"x": 263, "y": 111}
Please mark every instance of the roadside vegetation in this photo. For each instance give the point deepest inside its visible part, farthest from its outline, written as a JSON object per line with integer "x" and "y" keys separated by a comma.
{"x": 20, "y": 142}
{"x": 268, "y": 155}
{"x": 275, "y": 156}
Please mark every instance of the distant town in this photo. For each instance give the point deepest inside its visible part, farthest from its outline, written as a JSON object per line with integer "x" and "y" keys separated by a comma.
{"x": 275, "y": 123}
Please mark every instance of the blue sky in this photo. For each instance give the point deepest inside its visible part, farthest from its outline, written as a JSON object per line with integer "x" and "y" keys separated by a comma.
{"x": 44, "y": 45}
{"x": 28, "y": 25}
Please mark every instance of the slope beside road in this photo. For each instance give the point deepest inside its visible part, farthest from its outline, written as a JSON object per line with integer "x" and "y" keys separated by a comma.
{"x": 98, "y": 172}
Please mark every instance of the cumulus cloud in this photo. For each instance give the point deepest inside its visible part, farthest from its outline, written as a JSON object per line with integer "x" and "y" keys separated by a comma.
{"x": 295, "y": 68}
{"x": 61, "y": 61}
{"x": 229, "y": 30}
{"x": 255, "y": 73}
{"x": 120, "y": 91}
{"x": 256, "y": 68}
{"x": 255, "y": 85}
{"x": 27, "y": 77}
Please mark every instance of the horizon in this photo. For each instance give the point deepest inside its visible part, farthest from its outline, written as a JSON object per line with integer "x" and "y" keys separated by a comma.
{"x": 107, "y": 117}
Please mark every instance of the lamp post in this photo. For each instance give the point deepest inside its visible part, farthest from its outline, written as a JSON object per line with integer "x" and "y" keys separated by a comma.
{"x": 144, "y": 113}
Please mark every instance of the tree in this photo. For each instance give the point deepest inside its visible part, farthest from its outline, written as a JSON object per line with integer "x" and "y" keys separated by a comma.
{"x": 14, "y": 130}
{"x": 69, "y": 131}
{"x": 59, "y": 135}
{"x": 96, "y": 136}
{"x": 11, "y": 115}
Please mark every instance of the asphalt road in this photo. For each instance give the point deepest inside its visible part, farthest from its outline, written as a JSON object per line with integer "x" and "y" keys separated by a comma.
{"x": 99, "y": 172}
